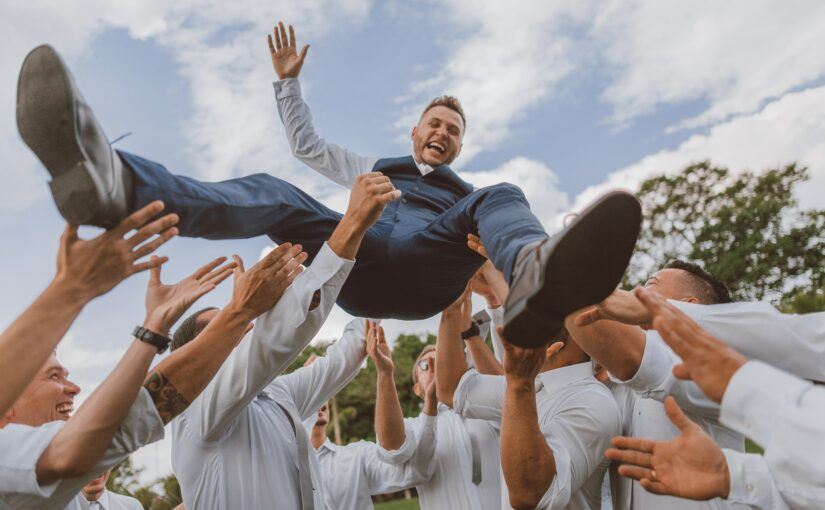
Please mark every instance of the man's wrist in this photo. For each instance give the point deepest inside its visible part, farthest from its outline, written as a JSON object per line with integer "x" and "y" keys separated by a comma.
{"x": 235, "y": 314}
{"x": 520, "y": 383}
{"x": 386, "y": 373}
{"x": 346, "y": 237}
{"x": 70, "y": 291}
{"x": 156, "y": 325}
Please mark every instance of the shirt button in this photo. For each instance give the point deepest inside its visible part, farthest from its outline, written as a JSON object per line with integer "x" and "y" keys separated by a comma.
{"x": 749, "y": 487}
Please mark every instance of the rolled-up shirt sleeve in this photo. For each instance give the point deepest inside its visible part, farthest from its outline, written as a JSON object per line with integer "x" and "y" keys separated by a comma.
{"x": 414, "y": 461}
{"x": 20, "y": 448}
{"x": 654, "y": 379}
{"x": 480, "y": 396}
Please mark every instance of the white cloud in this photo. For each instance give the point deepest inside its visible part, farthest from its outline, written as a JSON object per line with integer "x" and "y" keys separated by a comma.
{"x": 734, "y": 55}
{"x": 786, "y": 130}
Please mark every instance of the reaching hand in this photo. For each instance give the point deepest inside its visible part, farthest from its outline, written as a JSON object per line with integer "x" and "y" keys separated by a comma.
{"x": 523, "y": 363}
{"x": 475, "y": 244}
{"x": 94, "y": 267}
{"x": 690, "y": 466}
{"x": 479, "y": 285}
{"x": 377, "y": 348}
{"x": 621, "y": 305}
{"x": 369, "y": 196}
{"x": 709, "y": 362}
{"x": 166, "y": 303}
{"x": 259, "y": 289}
{"x": 285, "y": 58}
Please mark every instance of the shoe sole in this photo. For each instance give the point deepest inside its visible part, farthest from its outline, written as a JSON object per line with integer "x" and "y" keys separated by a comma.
{"x": 46, "y": 119}
{"x": 585, "y": 265}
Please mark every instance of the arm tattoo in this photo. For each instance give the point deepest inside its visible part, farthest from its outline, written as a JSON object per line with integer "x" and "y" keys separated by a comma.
{"x": 168, "y": 401}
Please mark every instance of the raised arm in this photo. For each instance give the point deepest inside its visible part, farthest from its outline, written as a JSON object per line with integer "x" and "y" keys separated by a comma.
{"x": 85, "y": 270}
{"x": 616, "y": 346}
{"x": 452, "y": 363}
{"x": 81, "y": 443}
{"x": 389, "y": 418}
{"x": 328, "y": 159}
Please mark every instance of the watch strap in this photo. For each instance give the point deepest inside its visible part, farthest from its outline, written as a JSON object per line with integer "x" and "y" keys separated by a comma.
{"x": 150, "y": 337}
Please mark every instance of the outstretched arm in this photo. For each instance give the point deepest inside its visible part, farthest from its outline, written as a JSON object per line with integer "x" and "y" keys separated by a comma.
{"x": 85, "y": 270}
{"x": 81, "y": 443}
{"x": 389, "y": 418}
{"x": 449, "y": 352}
{"x": 328, "y": 159}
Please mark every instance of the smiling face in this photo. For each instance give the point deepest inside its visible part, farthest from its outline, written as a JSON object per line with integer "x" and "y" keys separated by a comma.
{"x": 49, "y": 397}
{"x": 437, "y": 137}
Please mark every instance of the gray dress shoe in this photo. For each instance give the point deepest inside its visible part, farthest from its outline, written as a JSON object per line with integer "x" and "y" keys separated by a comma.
{"x": 578, "y": 267}
{"x": 89, "y": 183}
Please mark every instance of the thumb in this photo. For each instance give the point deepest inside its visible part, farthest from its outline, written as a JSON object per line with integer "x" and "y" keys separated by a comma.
{"x": 681, "y": 371}
{"x": 70, "y": 234}
{"x": 588, "y": 317}
{"x": 304, "y": 52}
{"x": 239, "y": 270}
{"x": 154, "y": 273}
{"x": 677, "y": 416}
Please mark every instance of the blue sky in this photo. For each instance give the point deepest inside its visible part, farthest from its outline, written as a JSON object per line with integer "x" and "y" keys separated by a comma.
{"x": 566, "y": 99}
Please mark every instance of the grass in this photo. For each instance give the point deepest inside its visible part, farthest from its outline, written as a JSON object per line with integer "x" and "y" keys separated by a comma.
{"x": 398, "y": 504}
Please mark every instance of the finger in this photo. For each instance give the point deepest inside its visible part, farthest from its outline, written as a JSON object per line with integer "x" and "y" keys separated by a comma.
{"x": 381, "y": 338}
{"x": 633, "y": 443}
{"x": 654, "y": 487}
{"x": 220, "y": 270}
{"x": 206, "y": 268}
{"x": 291, "y": 277}
{"x": 154, "y": 274}
{"x": 138, "y": 218}
{"x": 159, "y": 241}
{"x": 203, "y": 290}
{"x": 69, "y": 234}
{"x": 389, "y": 197}
{"x": 377, "y": 178}
{"x": 381, "y": 189}
{"x": 154, "y": 262}
{"x": 274, "y": 256}
{"x": 238, "y": 264}
{"x": 153, "y": 228}
{"x": 650, "y": 299}
{"x": 292, "y": 37}
{"x": 284, "y": 39}
{"x": 293, "y": 264}
{"x": 635, "y": 472}
{"x": 553, "y": 349}
{"x": 278, "y": 44}
{"x": 220, "y": 277}
{"x": 681, "y": 371}
{"x": 677, "y": 417}
{"x": 304, "y": 51}
{"x": 271, "y": 45}
{"x": 631, "y": 457}
{"x": 588, "y": 317}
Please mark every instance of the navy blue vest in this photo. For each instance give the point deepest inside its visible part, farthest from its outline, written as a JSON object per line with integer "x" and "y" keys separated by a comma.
{"x": 423, "y": 197}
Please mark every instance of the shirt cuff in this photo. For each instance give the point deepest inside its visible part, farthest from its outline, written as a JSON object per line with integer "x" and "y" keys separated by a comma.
{"x": 406, "y": 451}
{"x": 756, "y": 396}
{"x": 286, "y": 88}
{"x": 655, "y": 368}
{"x": 750, "y": 479}
{"x": 326, "y": 269}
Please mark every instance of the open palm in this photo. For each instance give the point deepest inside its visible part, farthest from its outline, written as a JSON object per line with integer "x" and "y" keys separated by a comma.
{"x": 284, "y": 52}
{"x": 690, "y": 466}
{"x": 166, "y": 303}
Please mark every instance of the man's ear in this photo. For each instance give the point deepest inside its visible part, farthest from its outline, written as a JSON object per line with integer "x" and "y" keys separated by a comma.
{"x": 461, "y": 146}
{"x": 412, "y": 133}
{"x": 692, "y": 299}
{"x": 417, "y": 389}
{"x": 9, "y": 415}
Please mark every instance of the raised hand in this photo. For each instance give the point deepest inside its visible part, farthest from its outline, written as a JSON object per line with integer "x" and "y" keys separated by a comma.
{"x": 369, "y": 196}
{"x": 377, "y": 348}
{"x": 522, "y": 363}
{"x": 621, "y": 305}
{"x": 165, "y": 304}
{"x": 284, "y": 52}
{"x": 94, "y": 267}
{"x": 430, "y": 396}
{"x": 709, "y": 362}
{"x": 690, "y": 466}
{"x": 259, "y": 289}
{"x": 481, "y": 286}
{"x": 475, "y": 244}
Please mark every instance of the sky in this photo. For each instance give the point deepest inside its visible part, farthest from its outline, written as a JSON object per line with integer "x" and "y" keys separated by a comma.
{"x": 566, "y": 99}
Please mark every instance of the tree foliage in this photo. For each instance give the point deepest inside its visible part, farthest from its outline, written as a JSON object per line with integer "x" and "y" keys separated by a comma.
{"x": 745, "y": 228}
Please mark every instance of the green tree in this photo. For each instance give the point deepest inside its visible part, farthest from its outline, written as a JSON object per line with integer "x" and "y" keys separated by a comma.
{"x": 745, "y": 228}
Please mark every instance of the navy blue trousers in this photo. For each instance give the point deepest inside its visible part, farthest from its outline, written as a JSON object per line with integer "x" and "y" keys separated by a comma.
{"x": 409, "y": 266}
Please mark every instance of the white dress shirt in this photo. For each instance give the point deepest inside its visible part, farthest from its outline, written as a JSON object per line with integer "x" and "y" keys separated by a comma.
{"x": 110, "y": 501}
{"x": 751, "y": 482}
{"x": 21, "y": 446}
{"x": 330, "y": 160}
{"x": 795, "y": 343}
{"x": 234, "y": 447}
{"x": 786, "y": 415}
{"x": 451, "y": 484}
{"x": 352, "y": 473}
{"x": 641, "y": 401}
{"x": 578, "y": 417}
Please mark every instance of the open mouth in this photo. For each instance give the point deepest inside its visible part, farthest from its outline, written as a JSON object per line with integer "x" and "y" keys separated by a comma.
{"x": 65, "y": 409}
{"x": 437, "y": 147}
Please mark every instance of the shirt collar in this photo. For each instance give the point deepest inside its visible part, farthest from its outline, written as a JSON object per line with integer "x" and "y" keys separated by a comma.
{"x": 559, "y": 377}
{"x": 329, "y": 445}
{"x": 103, "y": 501}
{"x": 424, "y": 168}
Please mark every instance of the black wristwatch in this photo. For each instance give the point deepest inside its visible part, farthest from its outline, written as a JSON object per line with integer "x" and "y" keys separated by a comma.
{"x": 472, "y": 331}
{"x": 150, "y": 337}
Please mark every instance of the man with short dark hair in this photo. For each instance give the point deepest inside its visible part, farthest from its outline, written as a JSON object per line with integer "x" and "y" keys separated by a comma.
{"x": 419, "y": 240}
{"x": 641, "y": 367}
{"x": 98, "y": 497}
